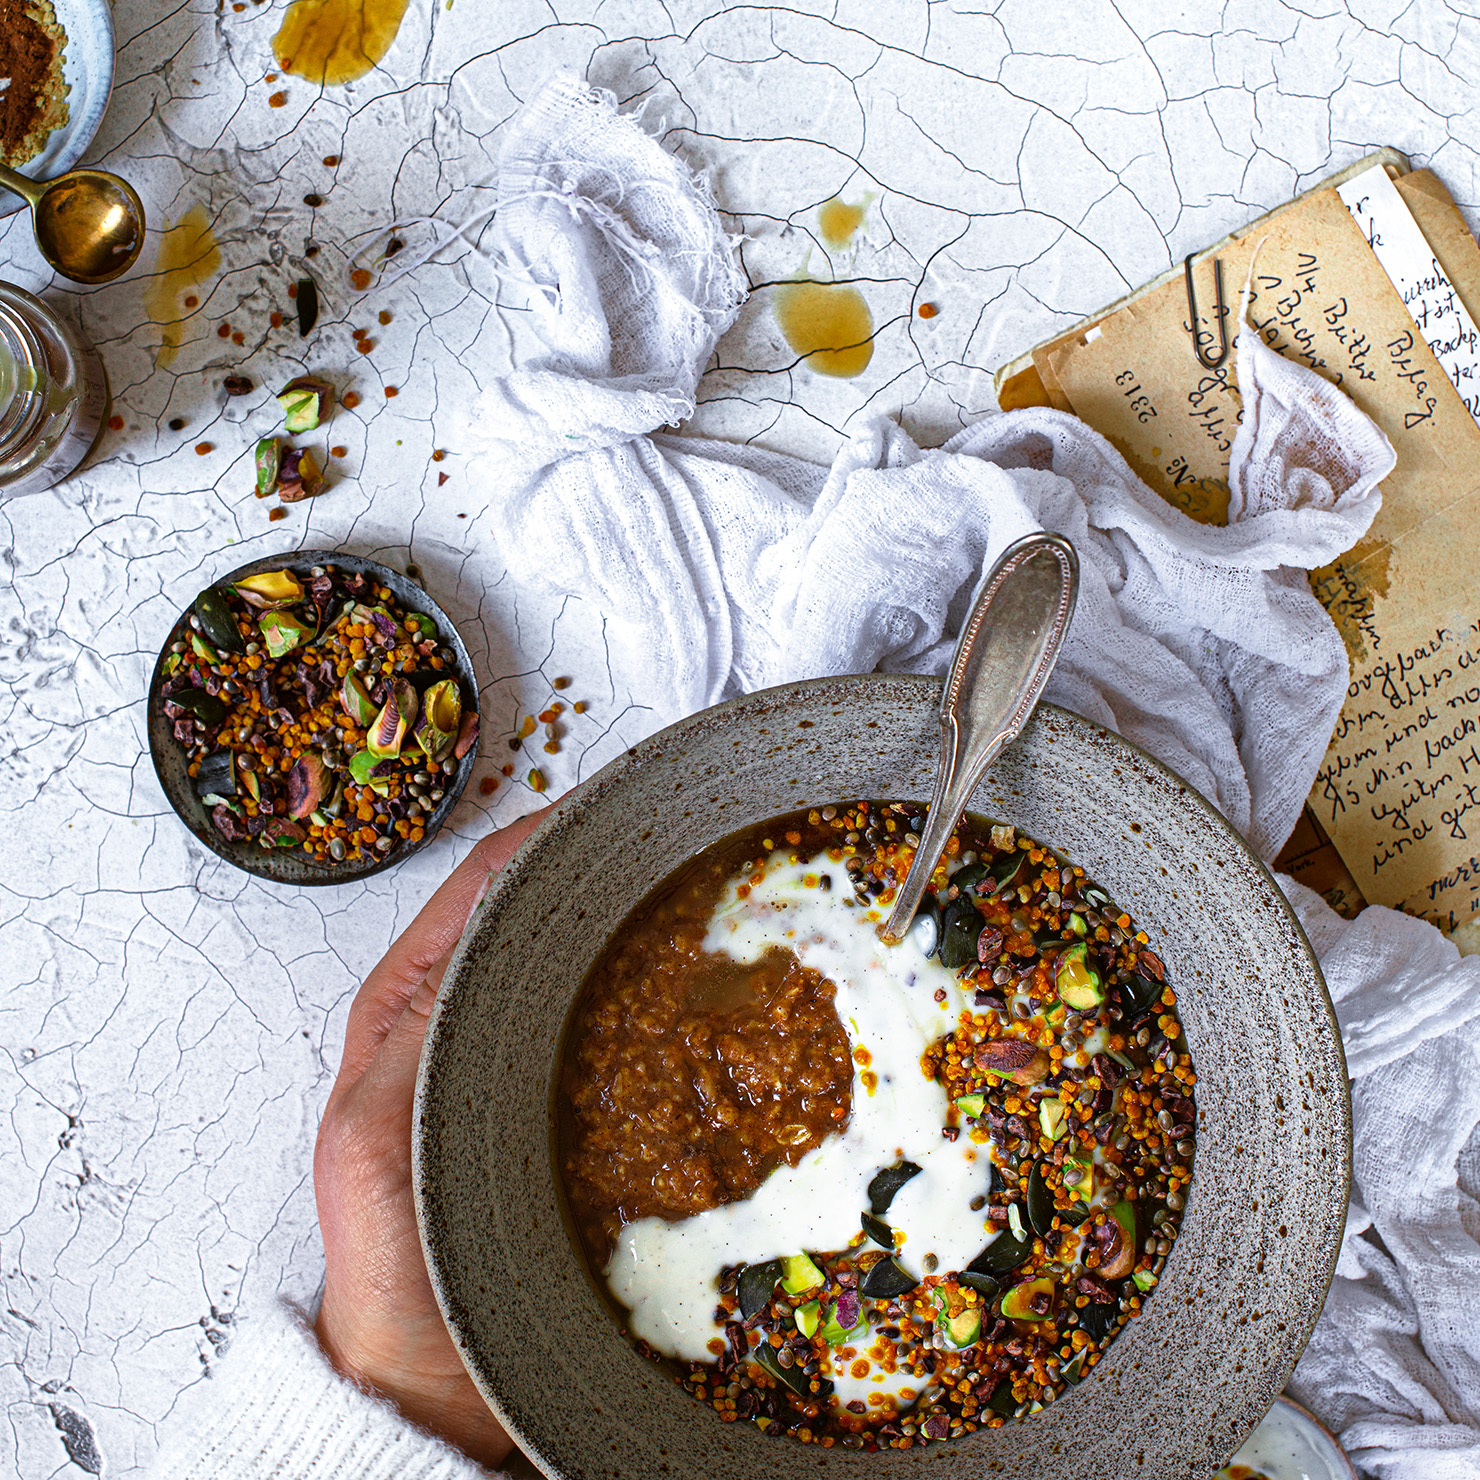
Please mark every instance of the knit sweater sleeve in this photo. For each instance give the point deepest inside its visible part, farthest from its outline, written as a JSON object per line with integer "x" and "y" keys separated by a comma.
{"x": 275, "y": 1409}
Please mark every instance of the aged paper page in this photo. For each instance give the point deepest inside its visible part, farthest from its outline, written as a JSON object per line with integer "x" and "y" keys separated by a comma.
{"x": 1393, "y": 794}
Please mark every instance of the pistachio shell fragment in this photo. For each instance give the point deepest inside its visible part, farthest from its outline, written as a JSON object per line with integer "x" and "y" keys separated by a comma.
{"x": 467, "y": 735}
{"x": 1114, "y": 1241}
{"x": 1030, "y": 1301}
{"x": 356, "y": 701}
{"x": 282, "y": 632}
{"x": 306, "y": 402}
{"x": 266, "y": 460}
{"x": 1077, "y": 982}
{"x": 362, "y": 766}
{"x": 1014, "y": 1058}
{"x": 307, "y": 783}
{"x": 440, "y": 719}
{"x": 397, "y": 714}
{"x": 299, "y": 477}
{"x": 270, "y": 588}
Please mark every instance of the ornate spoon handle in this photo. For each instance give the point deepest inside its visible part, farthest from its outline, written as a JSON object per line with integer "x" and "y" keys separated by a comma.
{"x": 1007, "y": 650}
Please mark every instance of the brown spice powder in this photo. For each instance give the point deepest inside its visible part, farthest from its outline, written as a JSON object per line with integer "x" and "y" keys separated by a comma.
{"x": 35, "y": 102}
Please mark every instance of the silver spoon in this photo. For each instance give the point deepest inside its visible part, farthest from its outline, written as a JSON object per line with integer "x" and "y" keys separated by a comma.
{"x": 1006, "y": 652}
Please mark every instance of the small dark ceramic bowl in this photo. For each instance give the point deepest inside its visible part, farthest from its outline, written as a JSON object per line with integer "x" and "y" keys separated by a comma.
{"x": 1180, "y": 1388}
{"x": 290, "y": 865}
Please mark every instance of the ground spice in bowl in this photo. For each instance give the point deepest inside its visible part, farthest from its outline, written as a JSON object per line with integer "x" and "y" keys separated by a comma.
{"x": 35, "y": 100}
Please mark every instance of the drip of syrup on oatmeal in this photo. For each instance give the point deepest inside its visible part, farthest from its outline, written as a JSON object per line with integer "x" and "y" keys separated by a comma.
{"x": 188, "y": 256}
{"x": 330, "y": 42}
{"x": 827, "y": 323}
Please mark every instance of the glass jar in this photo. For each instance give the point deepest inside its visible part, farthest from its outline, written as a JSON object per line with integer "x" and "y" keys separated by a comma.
{"x": 53, "y": 395}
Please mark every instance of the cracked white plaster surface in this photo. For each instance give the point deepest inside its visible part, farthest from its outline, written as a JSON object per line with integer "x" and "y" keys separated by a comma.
{"x": 168, "y": 1026}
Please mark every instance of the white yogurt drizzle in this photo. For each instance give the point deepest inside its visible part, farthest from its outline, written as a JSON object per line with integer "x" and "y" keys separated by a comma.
{"x": 667, "y": 1273}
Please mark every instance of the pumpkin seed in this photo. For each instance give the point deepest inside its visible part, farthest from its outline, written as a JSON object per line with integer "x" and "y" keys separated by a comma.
{"x": 1040, "y": 1202}
{"x": 216, "y": 620}
{"x": 755, "y": 1286}
{"x": 886, "y": 1183}
{"x": 887, "y": 1279}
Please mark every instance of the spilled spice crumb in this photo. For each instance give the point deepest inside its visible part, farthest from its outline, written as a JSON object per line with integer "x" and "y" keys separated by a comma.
{"x": 339, "y": 452}
{"x": 579, "y": 706}
{"x": 224, "y": 331}
{"x": 202, "y": 448}
{"x": 277, "y": 100}
{"x": 561, "y": 683}
{"x": 441, "y": 479}
{"x": 364, "y": 346}
{"x": 177, "y": 423}
{"x": 349, "y": 400}
{"x": 292, "y": 290}
{"x": 385, "y": 316}
{"x": 115, "y": 423}
{"x": 330, "y": 160}
{"x": 277, "y": 513}
{"x": 360, "y": 278}
{"x": 438, "y": 455}
{"x": 392, "y": 390}
{"x": 488, "y": 785}
{"x": 191, "y": 301}
{"x": 508, "y": 770}
{"x": 928, "y": 310}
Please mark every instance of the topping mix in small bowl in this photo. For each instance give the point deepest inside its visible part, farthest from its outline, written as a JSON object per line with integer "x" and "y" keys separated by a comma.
{"x": 313, "y": 719}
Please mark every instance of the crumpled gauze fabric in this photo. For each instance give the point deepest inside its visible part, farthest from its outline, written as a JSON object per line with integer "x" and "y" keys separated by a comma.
{"x": 720, "y": 569}
{"x": 1394, "y": 1364}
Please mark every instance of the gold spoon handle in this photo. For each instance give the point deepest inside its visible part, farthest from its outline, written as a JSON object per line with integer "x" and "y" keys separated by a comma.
{"x": 1004, "y": 656}
{"x": 23, "y": 185}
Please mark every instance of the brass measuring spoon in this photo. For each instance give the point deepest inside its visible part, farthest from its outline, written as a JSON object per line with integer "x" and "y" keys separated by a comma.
{"x": 1005, "y": 653}
{"x": 89, "y": 224}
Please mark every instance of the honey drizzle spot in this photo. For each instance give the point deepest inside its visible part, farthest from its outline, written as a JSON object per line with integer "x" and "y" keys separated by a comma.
{"x": 827, "y": 323}
{"x": 335, "y": 41}
{"x": 188, "y": 255}
{"x": 837, "y": 222}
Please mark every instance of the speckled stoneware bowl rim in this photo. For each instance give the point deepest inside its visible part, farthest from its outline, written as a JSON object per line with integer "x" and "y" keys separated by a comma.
{"x": 1169, "y": 1350}
{"x": 165, "y": 753}
{"x": 87, "y": 67}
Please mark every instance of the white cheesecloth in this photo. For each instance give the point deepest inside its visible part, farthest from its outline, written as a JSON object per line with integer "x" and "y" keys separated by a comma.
{"x": 721, "y": 569}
